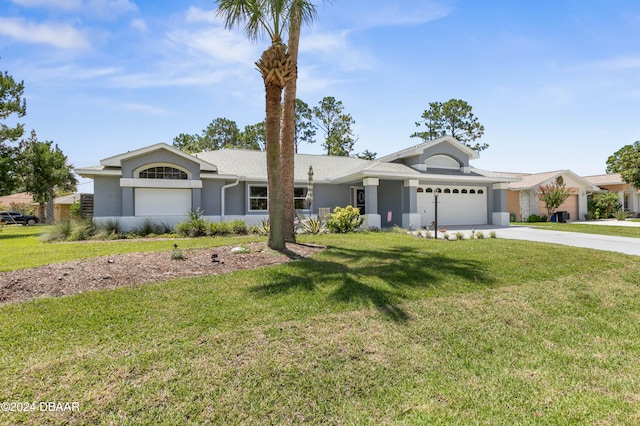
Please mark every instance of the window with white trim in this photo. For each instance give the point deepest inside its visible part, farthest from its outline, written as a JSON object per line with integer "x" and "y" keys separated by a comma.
{"x": 259, "y": 198}
{"x": 299, "y": 198}
{"x": 163, "y": 172}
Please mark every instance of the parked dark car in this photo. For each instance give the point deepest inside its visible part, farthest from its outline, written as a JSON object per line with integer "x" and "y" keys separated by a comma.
{"x": 18, "y": 218}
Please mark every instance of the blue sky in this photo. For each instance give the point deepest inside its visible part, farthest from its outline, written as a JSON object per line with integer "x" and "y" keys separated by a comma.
{"x": 556, "y": 83}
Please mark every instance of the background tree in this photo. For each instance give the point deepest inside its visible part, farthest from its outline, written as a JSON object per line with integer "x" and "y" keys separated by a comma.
{"x": 45, "y": 171}
{"x": 626, "y": 161}
{"x": 368, "y": 155}
{"x": 553, "y": 195}
{"x": 329, "y": 117}
{"x": 11, "y": 103}
{"x": 222, "y": 133}
{"x": 252, "y": 137}
{"x": 305, "y": 130}
{"x": 188, "y": 143}
{"x": 452, "y": 118}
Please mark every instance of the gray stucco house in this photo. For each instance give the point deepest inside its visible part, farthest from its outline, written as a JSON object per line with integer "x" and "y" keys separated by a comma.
{"x": 161, "y": 183}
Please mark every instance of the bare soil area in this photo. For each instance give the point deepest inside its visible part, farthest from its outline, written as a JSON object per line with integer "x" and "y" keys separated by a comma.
{"x": 108, "y": 272}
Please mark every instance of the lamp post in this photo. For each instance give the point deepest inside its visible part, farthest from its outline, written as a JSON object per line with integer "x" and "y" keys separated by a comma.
{"x": 435, "y": 196}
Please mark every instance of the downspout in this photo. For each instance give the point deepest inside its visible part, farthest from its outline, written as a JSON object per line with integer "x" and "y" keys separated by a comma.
{"x": 222, "y": 196}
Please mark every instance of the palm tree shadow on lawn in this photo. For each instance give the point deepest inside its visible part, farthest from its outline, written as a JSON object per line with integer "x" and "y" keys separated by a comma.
{"x": 380, "y": 278}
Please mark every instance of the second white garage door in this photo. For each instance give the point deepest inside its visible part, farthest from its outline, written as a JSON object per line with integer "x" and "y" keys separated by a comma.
{"x": 162, "y": 202}
{"x": 457, "y": 205}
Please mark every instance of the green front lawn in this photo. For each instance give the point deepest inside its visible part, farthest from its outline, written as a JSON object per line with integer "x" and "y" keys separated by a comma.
{"x": 380, "y": 328}
{"x": 617, "y": 231}
{"x": 21, "y": 247}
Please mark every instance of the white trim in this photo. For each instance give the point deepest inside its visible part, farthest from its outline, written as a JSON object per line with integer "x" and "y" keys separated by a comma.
{"x": 116, "y": 160}
{"x": 249, "y": 198}
{"x": 136, "y": 172}
{"x": 442, "y": 161}
{"x": 411, "y": 183}
{"x": 371, "y": 181}
{"x": 160, "y": 183}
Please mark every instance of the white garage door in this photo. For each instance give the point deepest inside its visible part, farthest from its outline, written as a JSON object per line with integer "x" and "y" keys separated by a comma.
{"x": 457, "y": 205}
{"x": 162, "y": 202}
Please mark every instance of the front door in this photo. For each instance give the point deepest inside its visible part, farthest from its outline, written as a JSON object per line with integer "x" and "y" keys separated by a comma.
{"x": 357, "y": 199}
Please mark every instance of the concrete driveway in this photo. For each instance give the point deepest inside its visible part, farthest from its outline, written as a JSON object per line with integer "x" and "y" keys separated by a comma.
{"x": 625, "y": 245}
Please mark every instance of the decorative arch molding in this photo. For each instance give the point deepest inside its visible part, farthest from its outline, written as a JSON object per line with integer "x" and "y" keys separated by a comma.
{"x": 441, "y": 161}
{"x": 161, "y": 175}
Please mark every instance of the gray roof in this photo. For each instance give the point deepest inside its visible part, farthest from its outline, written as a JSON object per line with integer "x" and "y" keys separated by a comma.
{"x": 252, "y": 165}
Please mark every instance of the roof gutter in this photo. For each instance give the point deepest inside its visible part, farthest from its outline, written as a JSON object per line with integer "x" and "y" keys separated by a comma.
{"x": 222, "y": 195}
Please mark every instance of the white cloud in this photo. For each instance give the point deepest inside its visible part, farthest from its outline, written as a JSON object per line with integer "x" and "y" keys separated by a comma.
{"x": 334, "y": 48}
{"x": 56, "y": 4}
{"x": 140, "y": 25}
{"x": 58, "y": 35}
{"x": 195, "y": 14}
{"x": 618, "y": 64}
{"x": 149, "y": 109}
{"x": 405, "y": 13}
{"x": 216, "y": 43}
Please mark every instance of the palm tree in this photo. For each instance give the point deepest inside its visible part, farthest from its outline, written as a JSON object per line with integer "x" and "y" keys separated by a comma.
{"x": 301, "y": 10}
{"x": 275, "y": 65}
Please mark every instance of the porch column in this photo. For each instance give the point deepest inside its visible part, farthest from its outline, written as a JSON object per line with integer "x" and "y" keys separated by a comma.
{"x": 371, "y": 216}
{"x": 410, "y": 217}
{"x": 634, "y": 205}
{"x": 621, "y": 199}
{"x": 583, "y": 205}
{"x": 499, "y": 213}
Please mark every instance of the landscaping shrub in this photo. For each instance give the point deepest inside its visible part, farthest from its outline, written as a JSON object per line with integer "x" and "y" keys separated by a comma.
{"x": 535, "y": 218}
{"x": 192, "y": 228}
{"x": 262, "y": 229}
{"x": 344, "y": 220}
{"x": 150, "y": 228}
{"x": 621, "y": 215}
{"x": 220, "y": 229}
{"x": 459, "y": 236}
{"x": 604, "y": 206}
{"x": 60, "y": 232}
{"x": 313, "y": 226}
{"x": 238, "y": 227}
{"x": 109, "y": 230}
{"x": 81, "y": 230}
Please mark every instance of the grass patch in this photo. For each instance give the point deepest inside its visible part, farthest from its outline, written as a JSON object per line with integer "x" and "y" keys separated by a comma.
{"x": 616, "y": 231}
{"x": 23, "y": 248}
{"x": 381, "y": 328}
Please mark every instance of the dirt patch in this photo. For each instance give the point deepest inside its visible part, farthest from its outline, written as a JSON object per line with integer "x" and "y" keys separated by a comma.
{"x": 108, "y": 272}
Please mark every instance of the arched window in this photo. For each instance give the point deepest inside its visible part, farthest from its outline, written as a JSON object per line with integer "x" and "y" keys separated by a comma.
{"x": 455, "y": 191}
{"x": 163, "y": 172}
{"x": 420, "y": 190}
{"x": 447, "y": 191}
{"x": 472, "y": 191}
{"x": 429, "y": 190}
{"x": 464, "y": 191}
{"x": 480, "y": 191}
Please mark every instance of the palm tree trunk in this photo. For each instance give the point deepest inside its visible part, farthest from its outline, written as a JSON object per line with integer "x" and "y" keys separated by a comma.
{"x": 287, "y": 145}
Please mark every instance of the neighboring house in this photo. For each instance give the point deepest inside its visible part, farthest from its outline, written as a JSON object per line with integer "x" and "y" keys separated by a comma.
{"x": 61, "y": 207}
{"x": 162, "y": 184}
{"x": 523, "y": 195}
{"x": 21, "y": 198}
{"x": 628, "y": 195}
